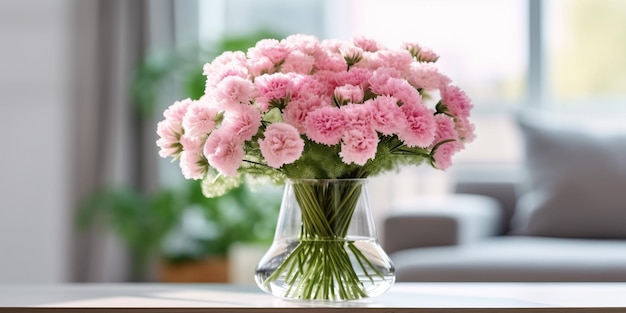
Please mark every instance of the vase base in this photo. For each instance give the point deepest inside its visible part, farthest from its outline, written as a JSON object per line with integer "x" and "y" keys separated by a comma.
{"x": 335, "y": 270}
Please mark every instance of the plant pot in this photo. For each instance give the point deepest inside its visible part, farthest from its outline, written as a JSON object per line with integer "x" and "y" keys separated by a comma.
{"x": 212, "y": 270}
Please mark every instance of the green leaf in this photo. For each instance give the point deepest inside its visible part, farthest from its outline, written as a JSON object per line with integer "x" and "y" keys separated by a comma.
{"x": 195, "y": 83}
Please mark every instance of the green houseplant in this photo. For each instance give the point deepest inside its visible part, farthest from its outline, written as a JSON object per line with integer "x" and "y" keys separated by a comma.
{"x": 147, "y": 222}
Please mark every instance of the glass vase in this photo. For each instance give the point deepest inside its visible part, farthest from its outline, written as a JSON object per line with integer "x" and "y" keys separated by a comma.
{"x": 325, "y": 247}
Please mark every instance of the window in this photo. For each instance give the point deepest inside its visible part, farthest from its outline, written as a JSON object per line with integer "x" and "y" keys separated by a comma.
{"x": 482, "y": 44}
{"x": 586, "y": 54}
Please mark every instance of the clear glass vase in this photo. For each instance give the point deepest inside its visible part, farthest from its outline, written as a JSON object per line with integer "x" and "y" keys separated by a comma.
{"x": 325, "y": 247}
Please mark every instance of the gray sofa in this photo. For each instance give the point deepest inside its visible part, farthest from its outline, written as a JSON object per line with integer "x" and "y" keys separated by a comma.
{"x": 562, "y": 219}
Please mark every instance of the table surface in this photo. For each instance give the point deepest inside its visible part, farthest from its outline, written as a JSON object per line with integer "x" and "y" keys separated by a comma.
{"x": 402, "y": 297}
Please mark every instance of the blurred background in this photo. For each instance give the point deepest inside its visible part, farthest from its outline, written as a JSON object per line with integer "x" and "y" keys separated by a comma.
{"x": 83, "y": 193}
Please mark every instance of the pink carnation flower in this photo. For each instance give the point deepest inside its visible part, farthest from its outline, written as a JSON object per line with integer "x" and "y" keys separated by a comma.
{"x": 427, "y": 55}
{"x": 169, "y": 138}
{"x": 171, "y": 128}
{"x": 333, "y": 46}
{"x": 420, "y": 126}
{"x": 260, "y": 66}
{"x": 224, "y": 152}
{"x": 282, "y": 145}
{"x": 307, "y": 86}
{"x": 422, "y": 54}
{"x": 397, "y": 59}
{"x": 327, "y": 80}
{"x": 331, "y": 80}
{"x": 401, "y": 90}
{"x": 298, "y": 62}
{"x": 236, "y": 58}
{"x": 389, "y": 72}
{"x": 355, "y": 76}
{"x": 358, "y": 115}
{"x": 228, "y": 59}
{"x": 296, "y": 112}
{"x": 352, "y": 54}
{"x": 349, "y": 93}
{"x": 305, "y": 43}
{"x": 192, "y": 162}
{"x": 215, "y": 73}
{"x": 387, "y": 117}
{"x": 358, "y": 145}
{"x": 325, "y": 125}
{"x": 367, "y": 44}
{"x": 199, "y": 119}
{"x": 235, "y": 89}
{"x": 177, "y": 110}
{"x": 242, "y": 122}
{"x": 272, "y": 49}
{"x": 331, "y": 62}
{"x": 465, "y": 129}
{"x": 274, "y": 86}
{"x": 379, "y": 78}
{"x": 457, "y": 102}
{"x": 442, "y": 156}
{"x": 427, "y": 77}
{"x": 445, "y": 128}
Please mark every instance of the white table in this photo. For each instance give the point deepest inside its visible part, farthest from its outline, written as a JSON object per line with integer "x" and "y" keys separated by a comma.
{"x": 403, "y": 297}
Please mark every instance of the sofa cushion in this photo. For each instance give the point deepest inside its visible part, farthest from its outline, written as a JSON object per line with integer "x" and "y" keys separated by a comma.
{"x": 515, "y": 259}
{"x": 425, "y": 221}
{"x": 577, "y": 180}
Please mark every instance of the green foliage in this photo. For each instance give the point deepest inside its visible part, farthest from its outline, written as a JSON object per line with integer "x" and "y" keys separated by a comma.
{"x": 324, "y": 162}
{"x": 143, "y": 221}
{"x": 320, "y": 161}
{"x": 241, "y": 215}
{"x": 185, "y": 66}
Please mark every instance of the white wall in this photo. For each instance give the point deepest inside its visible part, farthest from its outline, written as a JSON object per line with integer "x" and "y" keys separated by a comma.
{"x": 34, "y": 109}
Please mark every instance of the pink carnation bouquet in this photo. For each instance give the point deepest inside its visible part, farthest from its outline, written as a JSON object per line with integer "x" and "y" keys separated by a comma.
{"x": 301, "y": 108}
{"x": 304, "y": 108}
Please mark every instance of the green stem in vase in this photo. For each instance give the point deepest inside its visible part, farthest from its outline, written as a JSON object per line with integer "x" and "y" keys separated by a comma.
{"x": 320, "y": 267}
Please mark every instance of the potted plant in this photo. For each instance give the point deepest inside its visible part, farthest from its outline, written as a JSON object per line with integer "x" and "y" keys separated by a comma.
{"x": 186, "y": 231}
{"x": 197, "y": 247}
{"x": 162, "y": 223}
